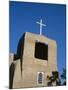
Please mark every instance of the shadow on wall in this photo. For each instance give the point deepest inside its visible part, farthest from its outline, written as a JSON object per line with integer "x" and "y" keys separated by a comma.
{"x": 17, "y": 56}
{"x": 11, "y": 74}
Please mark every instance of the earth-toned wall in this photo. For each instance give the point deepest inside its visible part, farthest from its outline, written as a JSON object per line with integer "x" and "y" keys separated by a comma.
{"x": 28, "y": 66}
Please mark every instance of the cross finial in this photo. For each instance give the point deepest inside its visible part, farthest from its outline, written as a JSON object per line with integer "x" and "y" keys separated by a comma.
{"x": 41, "y": 25}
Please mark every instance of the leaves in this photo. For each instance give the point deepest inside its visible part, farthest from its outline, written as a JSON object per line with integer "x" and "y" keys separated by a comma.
{"x": 54, "y": 78}
{"x": 63, "y": 76}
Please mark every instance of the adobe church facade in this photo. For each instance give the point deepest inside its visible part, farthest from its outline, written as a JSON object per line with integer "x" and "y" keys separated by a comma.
{"x": 35, "y": 59}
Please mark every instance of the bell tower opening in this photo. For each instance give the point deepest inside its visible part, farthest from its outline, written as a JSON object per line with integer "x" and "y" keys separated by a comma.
{"x": 41, "y": 51}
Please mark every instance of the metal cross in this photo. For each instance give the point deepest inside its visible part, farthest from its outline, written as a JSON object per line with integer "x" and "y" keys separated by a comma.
{"x": 41, "y": 25}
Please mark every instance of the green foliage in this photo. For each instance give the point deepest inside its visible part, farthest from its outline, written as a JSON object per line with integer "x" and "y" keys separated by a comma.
{"x": 63, "y": 76}
{"x": 55, "y": 78}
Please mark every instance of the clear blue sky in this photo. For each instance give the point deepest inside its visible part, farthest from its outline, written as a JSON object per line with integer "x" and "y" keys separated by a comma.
{"x": 23, "y": 17}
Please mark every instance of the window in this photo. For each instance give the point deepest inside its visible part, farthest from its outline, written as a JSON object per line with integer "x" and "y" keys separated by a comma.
{"x": 41, "y": 51}
{"x": 40, "y": 78}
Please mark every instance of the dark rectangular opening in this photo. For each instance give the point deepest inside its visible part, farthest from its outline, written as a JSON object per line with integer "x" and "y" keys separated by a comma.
{"x": 41, "y": 51}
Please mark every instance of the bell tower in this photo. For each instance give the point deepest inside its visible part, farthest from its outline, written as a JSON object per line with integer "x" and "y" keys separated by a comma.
{"x": 36, "y": 58}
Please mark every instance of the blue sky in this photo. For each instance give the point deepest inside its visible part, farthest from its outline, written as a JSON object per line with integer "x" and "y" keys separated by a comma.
{"x": 23, "y": 18}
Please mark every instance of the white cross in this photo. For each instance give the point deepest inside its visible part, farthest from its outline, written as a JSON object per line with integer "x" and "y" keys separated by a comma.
{"x": 41, "y": 25}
